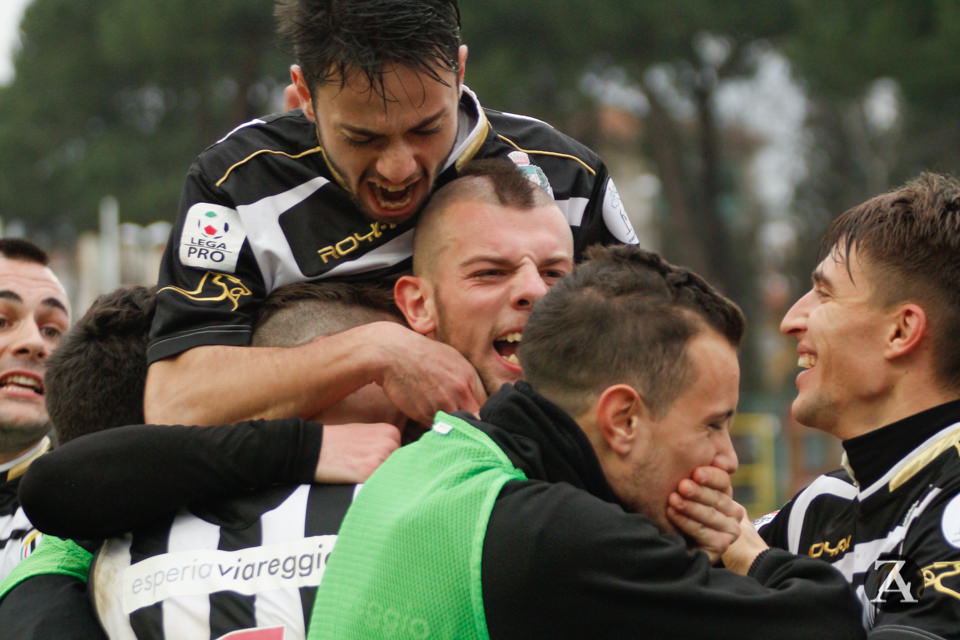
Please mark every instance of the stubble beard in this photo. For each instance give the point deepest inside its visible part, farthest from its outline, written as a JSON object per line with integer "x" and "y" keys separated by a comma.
{"x": 17, "y": 436}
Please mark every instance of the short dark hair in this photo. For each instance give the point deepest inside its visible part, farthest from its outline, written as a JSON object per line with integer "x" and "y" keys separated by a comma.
{"x": 289, "y": 316}
{"x": 496, "y": 181}
{"x": 623, "y": 316}
{"x": 95, "y": 377}
{"x": 909, "y": 240}
{"x": 331, "y": 38}
{"x": 24, "y": 250}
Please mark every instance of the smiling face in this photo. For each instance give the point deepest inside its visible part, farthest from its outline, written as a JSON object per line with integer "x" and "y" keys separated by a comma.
{"x": 34, "y": 314}
{"x": 387, "y": 144}
{"x": 490, "y": 265}
{"x": 840, "y": 333}
{"x": 694, "y": 432}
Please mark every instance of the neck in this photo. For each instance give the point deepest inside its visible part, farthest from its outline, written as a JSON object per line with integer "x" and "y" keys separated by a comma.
{"x": 10, "y": 456}
{"x": 901, "y": 401}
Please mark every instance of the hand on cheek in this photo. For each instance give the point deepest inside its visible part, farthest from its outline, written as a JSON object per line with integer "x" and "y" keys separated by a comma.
{"x": 702, "y": 507}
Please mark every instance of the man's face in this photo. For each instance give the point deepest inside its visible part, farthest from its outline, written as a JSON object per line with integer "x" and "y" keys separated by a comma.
{"x": 840, "y": 334}
{"x": 34, "y": 313}
{"x": 388, "y": 153}
{"x": 494, "y": 262}
{"x": 695, "y": 432}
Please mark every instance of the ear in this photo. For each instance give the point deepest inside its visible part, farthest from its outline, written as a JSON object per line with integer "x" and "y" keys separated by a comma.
{"x": 462, "y": 59}
{"x": 618, "y": 413}
{"x": 908, "y": 329}
{"x": 414, "y": 299}
{"x": 303, "y": 91}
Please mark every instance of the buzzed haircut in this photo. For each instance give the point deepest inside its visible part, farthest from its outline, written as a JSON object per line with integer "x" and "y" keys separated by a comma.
{"x": 96, "y": 376}
{"x": 299, "y": 312}
{"x": 909, "y": 240}
{"x": 623, "y": 316}
{"x": 331, "y": 38}
{"x": 494, "y": 181}
{"x": 23, "y": 250}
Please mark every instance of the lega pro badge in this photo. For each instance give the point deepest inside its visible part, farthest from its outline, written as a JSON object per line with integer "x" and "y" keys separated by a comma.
{"x": 212, "y": 237}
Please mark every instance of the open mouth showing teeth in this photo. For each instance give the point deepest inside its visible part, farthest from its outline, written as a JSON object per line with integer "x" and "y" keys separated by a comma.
{"x": 392, "y": 197}
{"x": 23, "y": 383}
{"x": 807, "y": 360}
{"x": 507, "y": 346}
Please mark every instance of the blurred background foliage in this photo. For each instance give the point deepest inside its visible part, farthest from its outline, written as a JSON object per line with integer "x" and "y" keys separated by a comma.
{"x": 735, "y": 130}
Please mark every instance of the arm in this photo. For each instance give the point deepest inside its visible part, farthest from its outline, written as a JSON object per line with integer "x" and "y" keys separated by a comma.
{"x": 593, "y": 566}
{"x": 931, "y": 575}
{"x": 120, "y": 479}
{"x": 49, "y": 607}
{"x": 421, "y": 376}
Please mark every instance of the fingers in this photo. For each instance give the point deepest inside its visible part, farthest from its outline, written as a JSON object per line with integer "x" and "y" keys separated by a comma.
{"x": 351, "y": 452}
{"x": 707, "y": 514}
{"x": 713, "y": 477}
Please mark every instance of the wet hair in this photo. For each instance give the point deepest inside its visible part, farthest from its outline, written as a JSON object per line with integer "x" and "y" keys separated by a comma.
{"x": 299, "y": 312}
{"x": 96, "y": 376}
{"x": 332, "y": 38}
{"x": 494, "y": 181}
{"x": 909, "y": 242}
{"x": 623, "y": 316}
{"x": 24, "y": 250}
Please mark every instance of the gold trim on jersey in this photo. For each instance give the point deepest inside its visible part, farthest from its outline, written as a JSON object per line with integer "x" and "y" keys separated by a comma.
{"x": 924, "y": 458}
{"x": 232, "y": 293}
{"x": 479, "y": 137}
{"x": 293, "y": 156}
{"x": 555, "y": 154}
{"x": 20, "y": 468}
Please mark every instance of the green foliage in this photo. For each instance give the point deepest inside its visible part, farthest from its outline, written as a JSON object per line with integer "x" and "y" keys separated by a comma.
{"x": 116, "y": 97}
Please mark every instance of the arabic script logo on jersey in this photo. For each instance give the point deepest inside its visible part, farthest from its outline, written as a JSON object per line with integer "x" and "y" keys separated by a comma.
{"x": 213, "y": 225}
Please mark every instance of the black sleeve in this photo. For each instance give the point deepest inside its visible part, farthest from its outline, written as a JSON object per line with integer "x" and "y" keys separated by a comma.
{"x": 205, "y": 301}
{"x": 121, "y": 479}
{"x": 558, "y": 562}
{"x": 49, "y": 607}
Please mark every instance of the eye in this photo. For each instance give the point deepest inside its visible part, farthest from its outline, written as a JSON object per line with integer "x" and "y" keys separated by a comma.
{"x": 553, "y": 274}
{"x": 428, "y": 132}
{"x": 53, "y": 333}
{"x": 4, "y": 323}
{"x": 487, "y": 273}
{"x": 358, "y": 142}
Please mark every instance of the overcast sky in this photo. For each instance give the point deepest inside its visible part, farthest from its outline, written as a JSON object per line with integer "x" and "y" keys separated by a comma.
{"x": 10, "y": 13}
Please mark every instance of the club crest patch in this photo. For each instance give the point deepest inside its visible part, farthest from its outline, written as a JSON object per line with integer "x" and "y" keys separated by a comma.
{"x": 212, "y": 237}
{"x": 950, "y": 522}
{"x": 533, "y": 173}
{"x": 615, "y": 217}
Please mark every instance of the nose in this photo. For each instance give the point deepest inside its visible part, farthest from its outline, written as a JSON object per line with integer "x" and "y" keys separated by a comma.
{"x": 29, "y": 342}
{"x": 726, "y": 456}
{"x": 397, "y": 164}
{"x": 529, "y": 286}
{"x": 795, "y": 320}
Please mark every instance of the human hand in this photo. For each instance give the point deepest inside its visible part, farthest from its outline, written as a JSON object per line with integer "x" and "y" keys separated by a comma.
{"x": 422, "y": 376}
{"x": 740, "y": 555}
{"x": 351, "y": 452}
{"x": 703, "y": 508}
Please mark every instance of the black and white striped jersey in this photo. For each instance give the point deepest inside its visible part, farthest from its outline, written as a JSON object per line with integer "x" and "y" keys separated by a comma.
{"x": 904, "y": 506}
{"x": 18, "y": 537}
{"x": 246, "y": 568}
{"x": 260, "y": 208}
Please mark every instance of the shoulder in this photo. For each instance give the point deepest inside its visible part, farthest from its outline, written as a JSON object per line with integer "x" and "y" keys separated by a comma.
{"x": 539, "y": 139}
{"x": 546, "y": 530}
{"x": 269, "y": 138}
